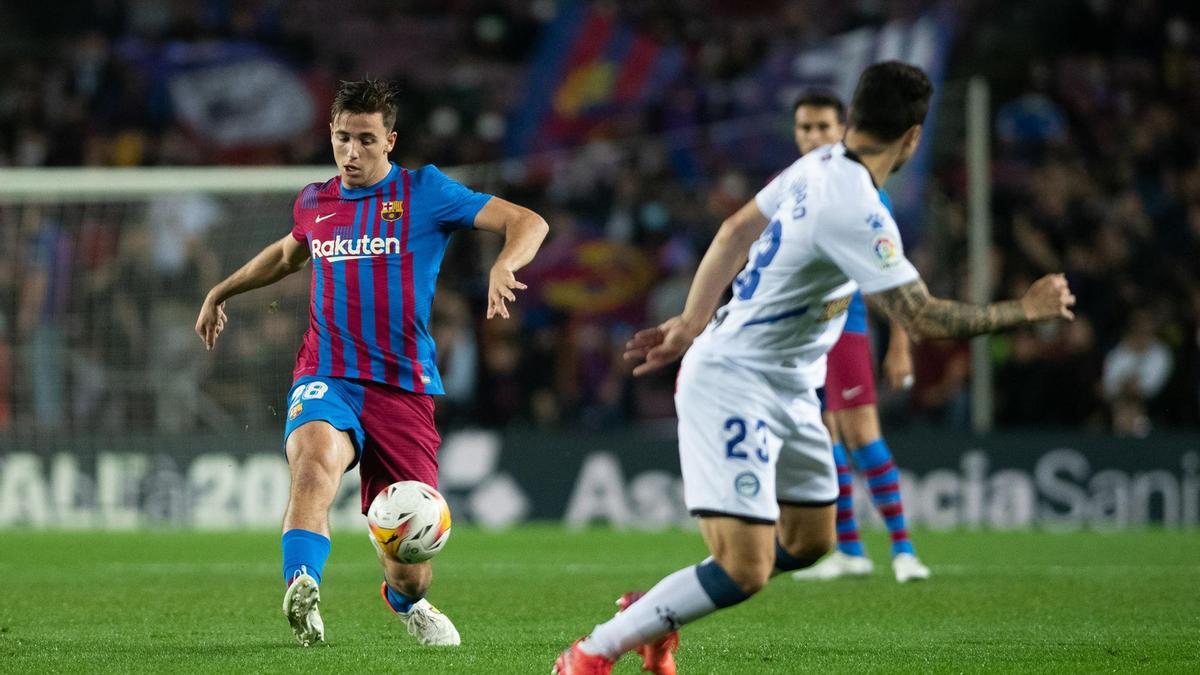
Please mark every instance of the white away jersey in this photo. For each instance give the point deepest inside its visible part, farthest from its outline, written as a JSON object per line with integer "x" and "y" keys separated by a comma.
{"x": 829, "y": 234}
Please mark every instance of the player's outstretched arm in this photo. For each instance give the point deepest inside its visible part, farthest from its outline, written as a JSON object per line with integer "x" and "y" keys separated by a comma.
{"x": 666, "y": 342}
{"x": 925, "y": 316}
{"x": 523, "y": 232}
{"x": 271, "y": 264}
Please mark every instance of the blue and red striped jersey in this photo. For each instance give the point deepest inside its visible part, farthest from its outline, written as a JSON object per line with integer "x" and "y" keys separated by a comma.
{"x": 376, "y": 252}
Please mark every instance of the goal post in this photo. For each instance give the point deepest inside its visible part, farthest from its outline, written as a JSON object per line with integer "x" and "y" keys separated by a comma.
{"x": 83, "y": 184}
{"x": 979, "y": 245}
{"x": 102, "y": 272}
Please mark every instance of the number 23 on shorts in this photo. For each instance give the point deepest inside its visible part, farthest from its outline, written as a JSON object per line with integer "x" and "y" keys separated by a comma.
{"x": 735, "y": 432}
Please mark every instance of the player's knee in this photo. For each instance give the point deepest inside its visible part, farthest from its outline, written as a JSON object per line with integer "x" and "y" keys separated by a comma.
{"x": 805, "y": 534}
{"x": 800, "y": 554}
{"x": 859, "y": 427}
{"x": 313, "y": 468}
{"x": 751, "y": 580}
{"x": 857, "y": 438}
{"x": 315, "y": 480}
{"x": 750, "y": 576}
{"x": 319, "y": 449}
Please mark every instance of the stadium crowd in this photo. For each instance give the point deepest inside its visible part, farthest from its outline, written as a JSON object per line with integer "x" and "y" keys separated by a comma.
{"x": 1096, "y": 168}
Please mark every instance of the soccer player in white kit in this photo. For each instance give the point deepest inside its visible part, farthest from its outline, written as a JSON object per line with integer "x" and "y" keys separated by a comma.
{"x": 757, "y": 464}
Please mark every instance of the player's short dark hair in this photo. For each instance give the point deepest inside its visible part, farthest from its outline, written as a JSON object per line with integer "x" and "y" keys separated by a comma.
{"x": 891, "y": 97}
{"x": 366, "y": 96}
{"x": 818, "y": 98}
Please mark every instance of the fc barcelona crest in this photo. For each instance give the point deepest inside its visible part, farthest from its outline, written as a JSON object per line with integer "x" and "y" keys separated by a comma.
{"x": 391, "y": 211}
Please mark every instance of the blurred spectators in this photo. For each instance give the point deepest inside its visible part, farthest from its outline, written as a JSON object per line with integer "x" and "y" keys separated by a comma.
{"x": 453, "y": 332}
{"x": 42, "y": 316}
{"x": 1096, "y": 167}
{"x": 6, "y": 377}
{"x": 1097, "y": 171}
{"x": 1134, "y": 374}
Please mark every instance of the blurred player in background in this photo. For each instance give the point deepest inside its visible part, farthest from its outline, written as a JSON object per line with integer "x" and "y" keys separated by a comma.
{"x": 365, "y": 372}
{"x": 757, "y": 464}
{"x": 850, "y": 413}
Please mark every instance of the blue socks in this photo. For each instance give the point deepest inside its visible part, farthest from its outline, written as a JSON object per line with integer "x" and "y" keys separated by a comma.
{"x": 848, "y": 541}
{"x": 874, "y": 460}
{"x": 718, "y": 586}
{"x": 304, "y": 551}
{"x": 398, "y": 601}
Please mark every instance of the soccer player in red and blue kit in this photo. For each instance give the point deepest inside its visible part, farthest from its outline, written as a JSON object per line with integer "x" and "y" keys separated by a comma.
{"x": 850, "y": 413}
{"x": 366, "y": 370}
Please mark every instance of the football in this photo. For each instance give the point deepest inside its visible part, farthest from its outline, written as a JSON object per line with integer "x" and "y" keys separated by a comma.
{"x": 409, "y": 522}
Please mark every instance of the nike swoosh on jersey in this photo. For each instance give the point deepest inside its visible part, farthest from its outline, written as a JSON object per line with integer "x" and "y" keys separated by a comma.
{"x": 328, "y": 215}
{"x": 851, "y": 392}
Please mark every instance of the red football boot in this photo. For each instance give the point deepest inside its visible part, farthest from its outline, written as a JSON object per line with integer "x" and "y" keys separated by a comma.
{"x": 575, "y": 661}
{"x": 658, "y": 657}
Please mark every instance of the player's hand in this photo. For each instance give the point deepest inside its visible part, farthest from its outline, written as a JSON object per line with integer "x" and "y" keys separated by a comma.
{"x": 1048, "y": 298}
{"x": 211, "y": 322}
{"x": 898, "y": 368}
{"x": 501, "y": 284}
{"x": 661, "y": 345}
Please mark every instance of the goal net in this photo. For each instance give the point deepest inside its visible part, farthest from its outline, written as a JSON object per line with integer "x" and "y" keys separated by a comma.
{"x": 101, "y": 277}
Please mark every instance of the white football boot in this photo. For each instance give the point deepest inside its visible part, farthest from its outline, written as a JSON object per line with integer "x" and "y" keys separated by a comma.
{"x": 426, "y": 623}
{"x": 908, "y": 568}
{"x": 836, "y": 565}
{"x": 300, "y": 607}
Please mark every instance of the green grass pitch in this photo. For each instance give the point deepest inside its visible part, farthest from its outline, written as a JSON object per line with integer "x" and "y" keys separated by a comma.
{"x": 209, "y": 602}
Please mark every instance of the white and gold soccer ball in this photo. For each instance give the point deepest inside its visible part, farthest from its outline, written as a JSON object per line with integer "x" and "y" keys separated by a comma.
{"x": 409, "y": 522}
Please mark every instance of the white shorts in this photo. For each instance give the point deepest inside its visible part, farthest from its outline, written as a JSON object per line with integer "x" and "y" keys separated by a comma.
{"x": 748, "y": 441}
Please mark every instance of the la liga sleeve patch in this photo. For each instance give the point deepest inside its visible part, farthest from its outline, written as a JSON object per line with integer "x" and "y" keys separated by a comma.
{"x": 887, "y": 251}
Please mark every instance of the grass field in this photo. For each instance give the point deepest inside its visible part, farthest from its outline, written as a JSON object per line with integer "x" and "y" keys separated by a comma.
{"x": 202, "y": 602}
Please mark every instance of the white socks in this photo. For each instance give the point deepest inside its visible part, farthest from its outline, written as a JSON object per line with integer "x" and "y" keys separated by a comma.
{"x": 685, "y": 596}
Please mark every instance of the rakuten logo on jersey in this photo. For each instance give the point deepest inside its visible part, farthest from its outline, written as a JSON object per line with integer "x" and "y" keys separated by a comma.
{"x": 341, "y": 248}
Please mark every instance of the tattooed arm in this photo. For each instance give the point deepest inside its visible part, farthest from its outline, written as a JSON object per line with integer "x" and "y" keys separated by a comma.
{"x": 925, "y": 316}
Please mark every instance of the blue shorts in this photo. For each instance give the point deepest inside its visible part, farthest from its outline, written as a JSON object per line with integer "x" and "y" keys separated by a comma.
{"x": 392, "y": 429}
{"x": 334, "y": 400}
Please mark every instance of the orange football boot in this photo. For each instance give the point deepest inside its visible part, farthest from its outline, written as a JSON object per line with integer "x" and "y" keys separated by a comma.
{"x": 575, "y": 661}
{"x": 657, "y": 657}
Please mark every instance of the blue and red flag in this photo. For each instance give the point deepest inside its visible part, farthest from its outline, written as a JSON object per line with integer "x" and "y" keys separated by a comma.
{"x": 589, "y": 68}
